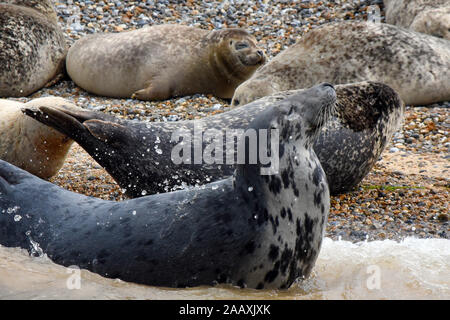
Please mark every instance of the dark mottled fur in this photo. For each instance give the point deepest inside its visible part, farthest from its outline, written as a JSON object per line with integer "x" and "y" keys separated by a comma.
{"x": 33, "y": 49}
{"x": 415, "y": 65}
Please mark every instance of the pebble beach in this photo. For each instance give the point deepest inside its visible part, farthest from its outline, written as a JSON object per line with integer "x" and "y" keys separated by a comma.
{"x": 405, "y": 195}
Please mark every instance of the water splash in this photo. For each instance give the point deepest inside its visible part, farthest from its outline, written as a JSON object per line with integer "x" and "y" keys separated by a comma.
{"x": 411, "y": 269}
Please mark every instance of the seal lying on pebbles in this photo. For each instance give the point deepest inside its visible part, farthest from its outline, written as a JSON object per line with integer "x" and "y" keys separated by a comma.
{"x": 159, "y": 62}
{"x": 33, "y": 47}
{"x": 29, "y": 144}
{"x": 139, "y": 155}
{"x": 415, "y": 65}
{"x": 426, "y": 16}
{"x": 251, "y": 230}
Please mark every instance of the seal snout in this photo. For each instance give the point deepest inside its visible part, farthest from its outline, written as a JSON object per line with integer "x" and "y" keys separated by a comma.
{"x": 331, "y": 92}
{"x": 257, "y": 57}
{"x": 326, "y": 84}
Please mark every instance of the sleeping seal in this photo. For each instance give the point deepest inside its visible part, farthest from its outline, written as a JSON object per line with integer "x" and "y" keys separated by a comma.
{"x": 138, "y": 155}
{"x": 251, "y": 230}
{"x": 160, "y": 62}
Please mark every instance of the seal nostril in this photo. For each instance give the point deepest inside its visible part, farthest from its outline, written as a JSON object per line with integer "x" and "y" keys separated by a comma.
{"x": 260, "y": 53}
{"x": 326, "y": 84}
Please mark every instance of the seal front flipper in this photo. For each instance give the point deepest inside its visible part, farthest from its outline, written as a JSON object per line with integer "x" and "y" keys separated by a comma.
{"x": 155, "y": 91}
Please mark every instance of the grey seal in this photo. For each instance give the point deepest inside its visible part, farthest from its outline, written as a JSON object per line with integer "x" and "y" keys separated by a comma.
{"x": 160, "y": 62}
{"x": 138, "y": 155}
{"x": 33, "y": 47}
{"x": 415, "y": 65}
{"x": 250, "y": 230}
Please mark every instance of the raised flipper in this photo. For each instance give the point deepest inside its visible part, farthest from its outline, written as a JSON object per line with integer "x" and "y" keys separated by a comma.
{"x": 103, "y": 136}
{"x": 67, "y": 120}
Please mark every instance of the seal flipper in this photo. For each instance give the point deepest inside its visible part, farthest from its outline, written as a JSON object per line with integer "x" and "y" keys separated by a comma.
{"x": 107, "y": 132}
{"x": 152, "y": 94}
{"x": 67, "y": 120}
{"x": 57, "y": 119}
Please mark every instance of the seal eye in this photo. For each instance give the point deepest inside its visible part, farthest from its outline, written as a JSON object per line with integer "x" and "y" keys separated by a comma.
{"x": 241, "y": 45}
{"x": 236, "y": 102}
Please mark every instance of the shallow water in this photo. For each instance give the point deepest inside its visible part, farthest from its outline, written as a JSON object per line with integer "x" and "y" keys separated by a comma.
{"x": 411, "y": 269}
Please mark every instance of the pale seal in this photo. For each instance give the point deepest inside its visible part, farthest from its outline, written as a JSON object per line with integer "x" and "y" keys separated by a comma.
{"x": 29, "y": 144}
{"x": 250, "y": 230}
{"x": 426, "y": 16}
{"x": 138, "y": 155}
{"x": 415, "y": 65}
{"x": 159, "y": 62}
{"x": 33, "y": 47}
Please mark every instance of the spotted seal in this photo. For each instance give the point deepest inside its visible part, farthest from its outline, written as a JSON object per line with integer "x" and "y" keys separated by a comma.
{"x": 33, "y": 47}
{"x": 250, "y": 230}
{"x": 138, "y": 154}
{"x": 426, "y": 16}
{"x": 415, "y": 65}
{"x": 28, "y": 144}
{"x": 163, "y": 61}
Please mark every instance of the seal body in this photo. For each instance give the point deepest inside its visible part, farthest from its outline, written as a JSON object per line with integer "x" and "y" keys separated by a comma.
{"x": 33, "y": 47}
{"x": 250, "y": 230}
{"x": 144, "y": 157}
{"x": 159, "y": 62}
{"x": 426, "y": 16}
{"x": 28, "y": 144}
{"x": 415, "y": 65}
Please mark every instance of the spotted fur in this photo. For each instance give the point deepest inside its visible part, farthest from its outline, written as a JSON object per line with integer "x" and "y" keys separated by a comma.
{"x": 427, "y": 16}
{"x": 33, "y": 47}
{"x": 415, "y": 65}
